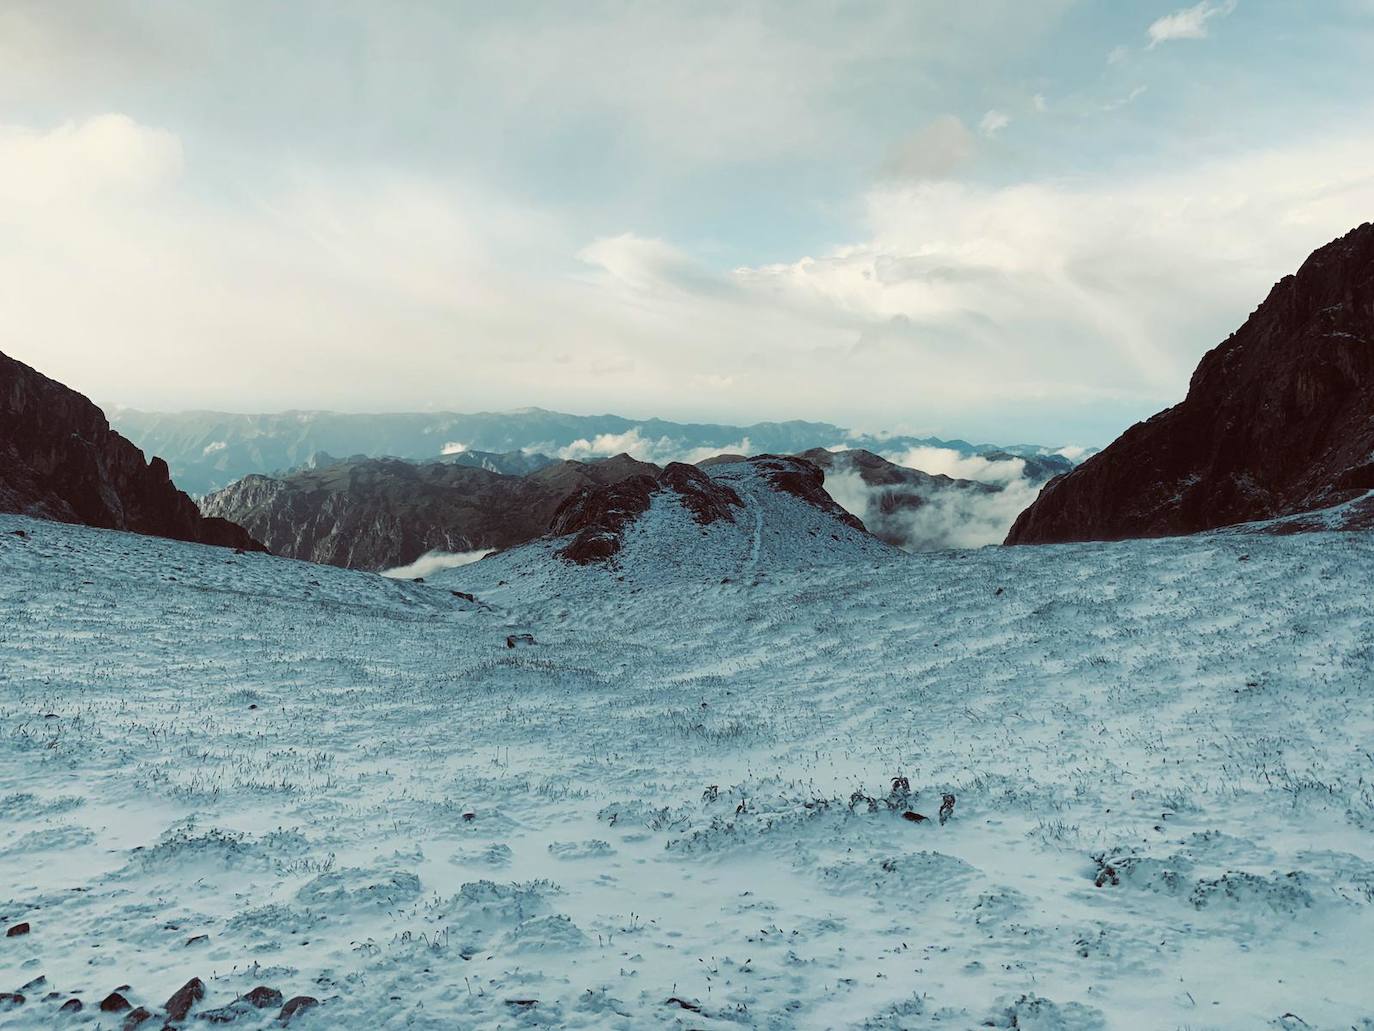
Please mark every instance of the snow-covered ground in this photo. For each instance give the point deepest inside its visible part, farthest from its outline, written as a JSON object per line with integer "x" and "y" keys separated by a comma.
{"x": 261, "y": 772}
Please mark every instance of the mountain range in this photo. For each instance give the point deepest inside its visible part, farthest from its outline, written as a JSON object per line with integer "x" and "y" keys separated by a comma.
{"x": 209, "y": 450}
{"x": 384, "y": 513}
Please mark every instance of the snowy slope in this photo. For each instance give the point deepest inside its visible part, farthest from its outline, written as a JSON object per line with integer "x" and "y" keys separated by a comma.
{"x": 279, "y": 757}
{"x": 772, "y": 531}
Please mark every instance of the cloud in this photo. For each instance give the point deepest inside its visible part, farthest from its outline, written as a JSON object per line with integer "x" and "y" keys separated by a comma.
{"x": 948, "y": 518}
{"x": 1129, "y": 98}
{"x": 995, "y": 121}
{"x": 633, "y": 443}
{"x": 1188, "y": 23}
{"x": 109, "y": 157}
{"x": 648, "y": 265}
{"x": 958, "y": 519}
{"x": 947, "y": 462}
{"x": 432, "y": 562}
{"x": 1078, "y": 304}
{"x": 934, "y": 152}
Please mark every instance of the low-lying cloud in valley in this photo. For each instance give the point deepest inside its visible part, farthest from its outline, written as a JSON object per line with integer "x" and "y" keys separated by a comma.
{"x": 633, "y": 443}
{"x": 974, "y": 514}
{"x": 432, "y": 562}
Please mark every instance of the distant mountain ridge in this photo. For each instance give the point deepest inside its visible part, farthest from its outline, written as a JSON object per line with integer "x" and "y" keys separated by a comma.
{"x": 1278, "y": 420}
{"x": 380, "y": 513}
{"x": 59, "y": 459}
{"x": 209, "y": 450}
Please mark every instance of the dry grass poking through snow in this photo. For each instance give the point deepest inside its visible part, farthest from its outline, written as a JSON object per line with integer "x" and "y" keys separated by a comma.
{"x": 356, "y": 791}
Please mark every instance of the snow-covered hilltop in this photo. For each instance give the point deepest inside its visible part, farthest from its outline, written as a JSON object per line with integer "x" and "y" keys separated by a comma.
{"x": 732, "y": 521}
{"x": 692, "y": 803}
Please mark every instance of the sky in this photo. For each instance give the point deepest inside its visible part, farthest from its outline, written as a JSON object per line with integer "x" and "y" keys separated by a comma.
{"x": 1015, "y": 220}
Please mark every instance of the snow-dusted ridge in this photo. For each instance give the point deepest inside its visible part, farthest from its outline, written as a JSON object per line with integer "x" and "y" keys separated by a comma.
{"x": 762, "y": 529}
{"x": 1159, "y": 753}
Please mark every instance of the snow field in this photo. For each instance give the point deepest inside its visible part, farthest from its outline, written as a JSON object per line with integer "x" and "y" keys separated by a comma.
{"x": 354, "y": 790}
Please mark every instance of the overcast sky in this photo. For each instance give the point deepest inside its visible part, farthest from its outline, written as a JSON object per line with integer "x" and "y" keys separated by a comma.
{"x": 1002, "y": 219}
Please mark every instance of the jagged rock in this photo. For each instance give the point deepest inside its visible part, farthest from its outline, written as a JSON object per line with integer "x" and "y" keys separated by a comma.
{"x": 17, "y": 930}
{"x": 184, "y": 998}
{"x": 10, "y": 1000}
{"x": 297, "y": 1004}
{"x": 805, "y": 480}
{"x": 60, "y": 460}
{"x": 114, "y": 1003}
{"x": 707, "y": 500}
{"x": 136, "y": 1018}
{"x": 1276, "y": 422}
{"x": 520, "y": 640}
{"x": 263, "y": 997}
{"x": 381, "y": 513}
{"x": 599, "y": 516}
{"x": 71, "y": 1006}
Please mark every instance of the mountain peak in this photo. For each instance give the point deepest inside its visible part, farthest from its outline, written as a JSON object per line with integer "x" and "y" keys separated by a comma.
{"x": 1276, "y": 421}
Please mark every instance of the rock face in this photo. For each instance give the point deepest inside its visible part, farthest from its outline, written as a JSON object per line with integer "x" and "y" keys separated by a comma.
{"x": 379, "y": 513}
{"x": 596, "y": 517}
{"x": 60, "y": 460}
{"x": 805, "y": 480}
{"x": 1279, "y": 419}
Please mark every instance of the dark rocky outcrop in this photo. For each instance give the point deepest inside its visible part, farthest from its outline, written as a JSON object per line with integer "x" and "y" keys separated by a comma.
{"x": 60, "y": 460}
{"x": 598, "y": 516}
{"x": 379, "y": 513}
{"x": 115, "y": 1003}
{"x": 1279, "y": 420}
{"x": 805, "y": 480}
{"x": 707, "y": 500}
{"x": 184, "y": 998}
{"x": 295, "y": 1006}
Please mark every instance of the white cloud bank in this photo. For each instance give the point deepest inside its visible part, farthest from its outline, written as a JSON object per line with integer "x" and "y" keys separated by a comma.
{"x": 378, "y": 289}
{"x": 632, "y": 442}
{"x": 432, "y": 562}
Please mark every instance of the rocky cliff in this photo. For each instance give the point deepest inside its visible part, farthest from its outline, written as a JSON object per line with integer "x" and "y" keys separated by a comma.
{"x": 379, "y": 513}
{"x": 1279, "y": 419}
{"x": 60, "y": 460}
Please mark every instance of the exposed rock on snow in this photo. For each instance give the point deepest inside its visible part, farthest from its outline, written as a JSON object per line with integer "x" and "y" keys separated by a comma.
{"x": 60, "y": 460}
{"x": 382, "y": 513}
{"x": 184, "y": 998}
{"x": 1276, "y": 422}
{"x": 597, "y": 517}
